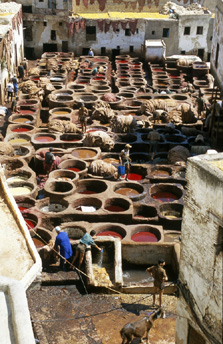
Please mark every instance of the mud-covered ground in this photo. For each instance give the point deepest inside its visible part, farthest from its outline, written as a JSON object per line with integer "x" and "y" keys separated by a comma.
{"x": 63, "y": 315}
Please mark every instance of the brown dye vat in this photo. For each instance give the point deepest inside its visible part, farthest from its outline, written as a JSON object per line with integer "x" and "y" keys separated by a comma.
{"x": 60, "y": 112}
{"x": 160, "y": 173}
{"x": 84, "y": 153}
{"x": 116, "y": 205}
{"x": 127, "y": 192}
{"x": 91, "y": 187}
{"x": 23, "y": 120}
{"x": 44, "y": 138}
{"x": 38, "y": 243}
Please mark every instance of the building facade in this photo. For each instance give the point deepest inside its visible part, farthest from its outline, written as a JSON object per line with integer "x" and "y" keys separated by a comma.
{"x": 200, "y": 279}
{"x": 113, "y": 28}
{"x": 217, "y": 45}
{"x": 11, "y": 42}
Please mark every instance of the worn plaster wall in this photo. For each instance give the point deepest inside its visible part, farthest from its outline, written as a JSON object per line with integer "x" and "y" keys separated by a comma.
{"x": 200, "y": 302}
{"x": 42, "y": 34}
{"x": 194, "y": 41}
{"x": 217, "y": 43}
{"x": 154, "y": 30}
{"x": 82, "y": 6}
{"x": 110, "y": 40}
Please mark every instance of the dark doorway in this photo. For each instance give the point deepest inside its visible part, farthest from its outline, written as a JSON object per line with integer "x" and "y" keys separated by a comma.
{"x": 49, "y": 48}
{"x": 65, "y": 46}
{"x": 29, "y": 53}
{"x": 85, "y": 51}
{"x": 200, "y": 53}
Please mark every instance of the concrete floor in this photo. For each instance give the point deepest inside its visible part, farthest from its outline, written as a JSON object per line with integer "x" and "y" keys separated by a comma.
{"x": 64, "y": 315}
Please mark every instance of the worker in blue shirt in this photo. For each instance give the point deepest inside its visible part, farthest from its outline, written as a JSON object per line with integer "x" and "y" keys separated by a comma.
{"x": 90, "y": 52}
{"x": 86, "y": 240}
{"x": 63, "y": 241}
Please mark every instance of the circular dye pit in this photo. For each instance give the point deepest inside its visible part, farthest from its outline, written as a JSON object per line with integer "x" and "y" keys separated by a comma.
{"x": 129, "y": 192}
{"x": 22, "y": 120}
{"x": 88, "y": 187}
{"x": 62, "y": 112}
{"x": 44, "y": 138}
{"x": 144, "y": 237}
{"x": 38, "y": 243}
{"x": 163, "y": 196}
{"x": 135, "y": 176}
{"x": 111, "y": 160}
{"x": 74, "y": 169}
{"x": 30, "y": 223}
{"x": 114, "y": 208}
{"x": 18, "y": 140}
{"x": 160, "y": 173}
{"x": 110, "y": 233}
{"x": 26, "y": 112}
{"x": 84, "y": 153}
{"x": 116, "y": 205}
{"x": 17, "y": 178}
{"x": 53, "y": 207}
{"x": 20, "y": 190}
{"x": 20, "y": 130}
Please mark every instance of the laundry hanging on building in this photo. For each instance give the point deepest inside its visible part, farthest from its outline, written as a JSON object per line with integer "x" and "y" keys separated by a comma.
{"x": 107, "y": 25}
{"x": 124, "y": 24}
{"x": 85, "y": 3}
{"x": 115, "y": 24}
{"x": 133, "y": 25}
{"x": 102, "y": 4}
{"x": 101, "y": 24}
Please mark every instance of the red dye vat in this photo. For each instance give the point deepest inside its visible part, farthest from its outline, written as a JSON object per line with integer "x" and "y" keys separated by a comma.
{"x": 35, "y": 79}
{"x": 75, "y": 169}
{"x": 87, "y": 192}
{"x": 26, "y": 112}
{"x": 144, "y": 237}
{"x": 164, "y": 196}
{"x": 158, "y": 70}
{"x": 22, "y": 208}
{"x": 20, "y": 130}
{"x": 110, "y": 233}
{"x": 174, "y": 76}
{"x": 122, "y": 61}
{"x": 30, "y": 224}
{"x": 115, "y": 208}
{"x": 98, "y": 78}
{"x": 44, "y": 138}
{"x": 134, "y": 176}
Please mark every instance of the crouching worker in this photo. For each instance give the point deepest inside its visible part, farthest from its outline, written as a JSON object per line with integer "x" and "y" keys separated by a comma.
{"x": 66, "y": 252}
{"x": 159, "y": 275}
{"x": 86, "y": 240}
{"x": 49, "y": 160}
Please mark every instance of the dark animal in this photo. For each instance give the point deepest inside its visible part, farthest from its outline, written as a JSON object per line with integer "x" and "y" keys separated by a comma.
{"x": 140, "y": 327}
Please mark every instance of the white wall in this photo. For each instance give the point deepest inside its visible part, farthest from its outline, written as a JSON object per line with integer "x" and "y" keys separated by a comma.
{"x": 201, "y": 262}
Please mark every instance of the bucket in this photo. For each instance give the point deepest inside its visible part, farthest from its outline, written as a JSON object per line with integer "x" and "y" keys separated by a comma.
{"x": 121, "y": 170}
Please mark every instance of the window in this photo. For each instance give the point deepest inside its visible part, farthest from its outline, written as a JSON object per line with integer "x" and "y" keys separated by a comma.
{"x": 153, "y": 32}
{"x": 216, "y": 56}
{"x": 53, "y": 35}
{"x": 41, "y": 0}
{"x": 199, "y": 30}
{"x": 45, "y": 23}
{"x": 90, "y": 33}
{"x": 28, "y": 33}
{"x": 131, "y": 49}
{"x": 183, "y": 52}
{"x": 118, "y": 46}
{"x": 200, "y": 53}
{"x": 127, "y": 32}
{"x": 211, "y": 38}
{"x": 166, "y": 32}
{"x": 103, "y": 51}
{"x": 137, "y": 30}
{"x": 209, "y": 57}
{"x": 187, "y": 30}
{"x": 65, "y": 46}
{"x": 117, "y": 30}
{"x": 60, "y": 23}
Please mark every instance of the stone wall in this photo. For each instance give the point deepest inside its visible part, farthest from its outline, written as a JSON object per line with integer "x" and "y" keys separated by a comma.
{"x": 217, "y": 44}
{"x": 200, "y": 302}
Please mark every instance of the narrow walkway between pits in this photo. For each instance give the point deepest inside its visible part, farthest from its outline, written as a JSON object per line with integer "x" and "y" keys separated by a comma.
{"x": 62, "y": 315}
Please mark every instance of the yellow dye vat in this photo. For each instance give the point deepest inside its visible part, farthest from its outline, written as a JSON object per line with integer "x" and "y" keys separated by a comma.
{"x": 18, "y": 140}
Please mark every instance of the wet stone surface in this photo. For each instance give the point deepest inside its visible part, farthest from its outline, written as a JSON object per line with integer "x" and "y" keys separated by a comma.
{"x": 62, "y": 315}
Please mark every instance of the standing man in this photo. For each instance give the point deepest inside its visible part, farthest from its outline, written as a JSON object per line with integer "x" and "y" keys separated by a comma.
{"x": 200, "y": 104}
{"x": 154, "y": 138}
{"x": 90, "y": 52}
{"x": 49, "y": 160}
{"x": 9, "y": 89}
{"x": 86, "y": 240}
{"x": 21, "y": 71}
{"x": 159, "y": 275}
{"x": 63, "y": 241}
{"x": 15, "y": 84}
{"x": 15, "y": 107}
{"x": 125, "y": 160}
{"x": 82, "y": 116}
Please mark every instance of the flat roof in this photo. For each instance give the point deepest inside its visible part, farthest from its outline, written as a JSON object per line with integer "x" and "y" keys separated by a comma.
{"x": 121, "y": 15}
